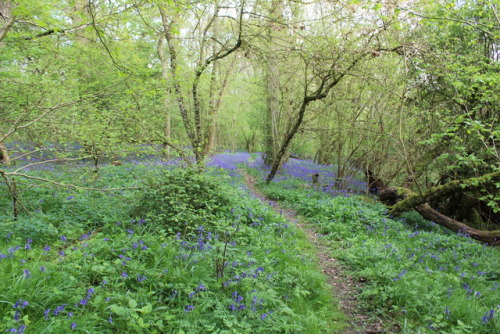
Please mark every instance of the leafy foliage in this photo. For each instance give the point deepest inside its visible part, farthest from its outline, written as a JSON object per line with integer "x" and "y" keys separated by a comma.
{"x": 182, "y": 200}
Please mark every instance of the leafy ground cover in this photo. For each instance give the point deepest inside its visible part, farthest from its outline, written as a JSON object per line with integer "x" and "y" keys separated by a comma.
{"x": 429, "y": 279}
{"x": 163, "y": 260}
{"x": 158, "y": 260}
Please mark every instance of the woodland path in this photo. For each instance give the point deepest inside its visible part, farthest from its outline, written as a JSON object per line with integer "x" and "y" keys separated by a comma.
{"x": 343, "y": 287}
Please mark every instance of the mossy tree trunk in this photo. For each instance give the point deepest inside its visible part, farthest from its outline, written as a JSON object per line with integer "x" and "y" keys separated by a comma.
{"x": 402, "y": 199}
{"x": 439, "y": 192}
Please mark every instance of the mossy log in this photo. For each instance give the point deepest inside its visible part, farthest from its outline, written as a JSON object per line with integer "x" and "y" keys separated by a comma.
{"x": 489, "y": 237}
{"x": 401, "y": 199}
{"x": 413, "y": 200}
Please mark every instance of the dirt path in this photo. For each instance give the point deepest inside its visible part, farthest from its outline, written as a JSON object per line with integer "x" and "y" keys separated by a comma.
{"x": 344, "y": 288}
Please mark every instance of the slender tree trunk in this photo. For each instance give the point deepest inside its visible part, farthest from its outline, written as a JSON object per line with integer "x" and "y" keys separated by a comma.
{"x": 272, "y": 88}
{"x": 11, "y": 184}
{"x": 166, "y": 99}
{"x": 167, "y": 30}
{"x": 78, "y": 19}
{"x": 273, "y": 109}
{"x": 4, "y": 155}
{"x": 7, "y": 20}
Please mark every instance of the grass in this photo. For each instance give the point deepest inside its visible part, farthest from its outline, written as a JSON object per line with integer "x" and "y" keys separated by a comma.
{"x": 95, "y": 262}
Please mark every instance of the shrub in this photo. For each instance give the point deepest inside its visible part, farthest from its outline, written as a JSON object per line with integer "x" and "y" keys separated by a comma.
{"x": 182, "y": 200}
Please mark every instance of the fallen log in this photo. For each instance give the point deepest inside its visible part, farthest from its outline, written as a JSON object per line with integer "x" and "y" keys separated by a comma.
{"x": 400, "y": 199}
{"x": 413, "y": 200}
{"x": 490, "y": 237}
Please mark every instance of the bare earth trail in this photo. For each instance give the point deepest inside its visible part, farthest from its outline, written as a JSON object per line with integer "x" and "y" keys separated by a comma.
{"x": 344, "y": 288}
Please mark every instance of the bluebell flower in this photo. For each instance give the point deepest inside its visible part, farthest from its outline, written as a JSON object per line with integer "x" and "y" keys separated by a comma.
{"x": 26, "y": 273}
{"x": 12, "y": 250}
{"x": 447, "y": 312}
{"x": 488, "y": 316}
{"x": 188, "y": 308}
{"x": 21, "y": 304}
{"x": 58, "y": 309}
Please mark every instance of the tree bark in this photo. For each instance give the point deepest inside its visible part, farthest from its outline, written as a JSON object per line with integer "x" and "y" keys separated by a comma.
{"x": 166, "y": 99}
{"x": 490, "y": 237}
{"x": 271, "y": 127}
{"x": 402, "y": 199}
{"x": 4, "y": 155}
{"x": 7, "y": 20}
{"x": 167, "y": 30}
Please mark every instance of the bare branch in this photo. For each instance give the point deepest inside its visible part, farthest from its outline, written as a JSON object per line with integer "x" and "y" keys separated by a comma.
{"x": 67, "y": 185}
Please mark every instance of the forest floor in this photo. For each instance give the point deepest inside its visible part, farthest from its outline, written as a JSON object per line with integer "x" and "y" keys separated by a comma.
{"x": 344, "y": 287}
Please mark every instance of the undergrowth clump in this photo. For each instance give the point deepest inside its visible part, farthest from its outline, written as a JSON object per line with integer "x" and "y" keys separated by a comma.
{"x": 183, "y": 199}
{"x": 428, "y": 278}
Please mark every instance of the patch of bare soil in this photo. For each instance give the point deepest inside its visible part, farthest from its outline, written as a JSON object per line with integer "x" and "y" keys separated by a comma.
{"x": 344, "y": 288}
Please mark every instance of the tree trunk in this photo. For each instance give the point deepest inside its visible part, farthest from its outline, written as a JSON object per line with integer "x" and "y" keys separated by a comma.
{"x": 402, "y": 199}
{"x": 7, "y": 20}
{"x": 12, "y": 185}
{"x": 4, "y": 155}
{"x": 166, "y": 99}
{"x": 442, "y": 191}
{"x": 490, "y": 237}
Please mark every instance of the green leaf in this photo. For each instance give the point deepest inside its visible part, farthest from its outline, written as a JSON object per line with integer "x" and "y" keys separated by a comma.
{"x": 132, "y": 303}
{"x": 120, "y": 310}
{"x": 146, "y": 309}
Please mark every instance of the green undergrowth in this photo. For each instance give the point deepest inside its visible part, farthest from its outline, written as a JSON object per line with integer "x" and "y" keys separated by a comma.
{"x": 429, "y": 279}
{"x": 188, "y": 253}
